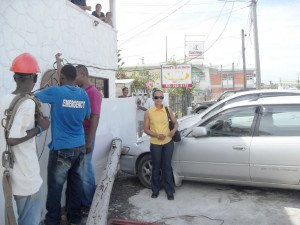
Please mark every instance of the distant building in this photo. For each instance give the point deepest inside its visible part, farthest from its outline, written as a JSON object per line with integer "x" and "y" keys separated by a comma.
{"x": 230, "y": 80}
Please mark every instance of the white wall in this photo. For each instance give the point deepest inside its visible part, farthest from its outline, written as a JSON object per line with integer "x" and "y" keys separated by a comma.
{"x": 43, "y": 28}
{"x": 112, "y": 124}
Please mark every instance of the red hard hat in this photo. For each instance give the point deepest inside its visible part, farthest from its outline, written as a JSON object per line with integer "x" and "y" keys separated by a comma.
{"x": 25, "y": 63}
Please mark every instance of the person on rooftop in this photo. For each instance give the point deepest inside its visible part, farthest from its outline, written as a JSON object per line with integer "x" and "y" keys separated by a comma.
{"x": 97, "y": 13}
{"x": 82, "y": 4}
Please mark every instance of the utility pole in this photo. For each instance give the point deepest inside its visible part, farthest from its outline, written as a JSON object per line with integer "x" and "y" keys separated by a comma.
{"x": 233, "y": 76}
{"x": 244, "y": 60}
{"x": 166, "y": 49}
{"x": 184, "y": 49}
{"x": 222, "y": 78}
{"x": 142, "y": 60}
{"x": 256, "y": 47}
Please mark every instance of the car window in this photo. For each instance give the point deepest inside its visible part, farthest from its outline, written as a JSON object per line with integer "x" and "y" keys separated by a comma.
{"x": 241, "y": 98}
{"x": 235, "y": 122}
{"x": 214, "y": 110}
{"x": 278, "y": 94}
{"x": 280, "y": 121}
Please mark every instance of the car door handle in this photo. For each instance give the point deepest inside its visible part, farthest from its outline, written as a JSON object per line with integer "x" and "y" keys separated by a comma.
{"x": 239, "y": 147}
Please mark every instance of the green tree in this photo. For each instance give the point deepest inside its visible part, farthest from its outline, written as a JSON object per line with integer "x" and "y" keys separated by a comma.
{"x": 142, "y": 78}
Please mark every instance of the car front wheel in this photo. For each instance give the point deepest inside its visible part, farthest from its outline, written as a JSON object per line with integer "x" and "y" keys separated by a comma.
{"x": 145, "y": 171}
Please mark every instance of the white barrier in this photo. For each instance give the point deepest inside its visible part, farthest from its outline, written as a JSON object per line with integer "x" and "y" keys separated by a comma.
{"x": 99, "y": 208}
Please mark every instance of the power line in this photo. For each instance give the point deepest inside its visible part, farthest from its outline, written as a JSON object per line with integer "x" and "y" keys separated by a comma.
{"x": 218, "y": 36}
{"x": 146, "y": 29}
{"x": 216, "y": 20}
{"x": 143, "y": 23}
{"x": 248, "y": 27}
{"x": 203, "y": 21}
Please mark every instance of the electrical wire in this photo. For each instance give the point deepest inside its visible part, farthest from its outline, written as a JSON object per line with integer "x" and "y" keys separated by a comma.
{"x": 40, "y": 156}
{"x": 147, "y": 28}
{"x": 248, "y": 27}
{"x": 230, "y": 12}
{"x": 143, "y": 23}
{"x": 215, "y": 41}
{"x": 221, "y": 31}
{"x": 216, "y": 20}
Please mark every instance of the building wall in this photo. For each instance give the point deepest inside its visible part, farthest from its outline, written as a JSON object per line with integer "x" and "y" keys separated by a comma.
{"x": 217, "y": 87}
{"x": 44, "y": 28}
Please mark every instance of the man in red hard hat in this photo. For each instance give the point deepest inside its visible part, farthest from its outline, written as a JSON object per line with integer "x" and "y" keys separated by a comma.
{"x": 24, "y": 177}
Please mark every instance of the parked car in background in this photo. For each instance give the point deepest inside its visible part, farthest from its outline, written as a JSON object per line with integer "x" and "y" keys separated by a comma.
{"x": 138, "y": 161}
{"x": 201, "y": 106}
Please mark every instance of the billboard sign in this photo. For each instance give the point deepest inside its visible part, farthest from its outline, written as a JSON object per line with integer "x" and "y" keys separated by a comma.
{"x": 173, "y": 76}
{"x": 196, "y": 50}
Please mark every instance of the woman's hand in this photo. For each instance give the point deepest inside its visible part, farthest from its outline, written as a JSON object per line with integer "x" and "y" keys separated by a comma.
{"x": 161, "y": 137}
{"x": 172, "y": 133}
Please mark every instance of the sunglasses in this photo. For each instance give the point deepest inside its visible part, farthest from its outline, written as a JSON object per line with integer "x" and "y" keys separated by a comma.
{"x": 158, "y": 97}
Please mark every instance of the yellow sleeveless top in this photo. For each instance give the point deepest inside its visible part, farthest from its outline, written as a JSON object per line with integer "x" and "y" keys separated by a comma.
{"x": 159, "y": 124}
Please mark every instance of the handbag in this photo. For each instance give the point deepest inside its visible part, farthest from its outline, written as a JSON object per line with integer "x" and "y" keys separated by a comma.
{"x": 176, "y": 137}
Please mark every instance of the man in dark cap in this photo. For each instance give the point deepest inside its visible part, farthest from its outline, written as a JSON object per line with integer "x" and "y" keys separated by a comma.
{"x": 70, "y": 105}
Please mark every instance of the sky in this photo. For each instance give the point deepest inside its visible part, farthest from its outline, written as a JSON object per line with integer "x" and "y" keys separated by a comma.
{"x": 150, "y": 30}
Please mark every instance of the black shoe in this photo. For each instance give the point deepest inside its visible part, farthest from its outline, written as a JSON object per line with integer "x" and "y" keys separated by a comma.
{"x": 154, "y": 195}
{"x": 170, "y": 196}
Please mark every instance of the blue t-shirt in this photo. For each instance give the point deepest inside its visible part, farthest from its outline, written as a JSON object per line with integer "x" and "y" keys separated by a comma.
{"x": 70, "y": 105}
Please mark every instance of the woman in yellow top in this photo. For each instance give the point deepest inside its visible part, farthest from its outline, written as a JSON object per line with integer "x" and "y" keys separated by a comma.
{"x": 156, "y": 125}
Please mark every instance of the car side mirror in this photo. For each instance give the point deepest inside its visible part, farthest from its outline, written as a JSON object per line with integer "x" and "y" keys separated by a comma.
{"x": 199, "y": 132}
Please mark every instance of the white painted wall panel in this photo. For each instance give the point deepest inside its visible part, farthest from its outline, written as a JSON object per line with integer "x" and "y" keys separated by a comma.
{"x": 44, "y": 28}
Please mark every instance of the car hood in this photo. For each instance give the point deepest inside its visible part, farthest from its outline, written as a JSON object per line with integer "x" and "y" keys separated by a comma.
{"x": 184, "y": 123}
{"x": 188, "y": 121}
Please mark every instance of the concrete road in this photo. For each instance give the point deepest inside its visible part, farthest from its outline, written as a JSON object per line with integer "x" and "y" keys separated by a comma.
{"x": 208, "y": 204}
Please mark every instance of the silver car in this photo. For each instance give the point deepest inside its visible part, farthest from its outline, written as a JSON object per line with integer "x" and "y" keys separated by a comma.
{"x": 252, "y": 142}
{"x": 232, "y": 144}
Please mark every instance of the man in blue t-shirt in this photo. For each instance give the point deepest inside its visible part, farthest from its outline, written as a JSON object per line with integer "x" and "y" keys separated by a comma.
{"x": 69, "y": 107}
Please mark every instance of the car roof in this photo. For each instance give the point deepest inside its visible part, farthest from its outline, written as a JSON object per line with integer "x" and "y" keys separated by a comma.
{"x": 261, "y": 91}
{"x": 194, "y": 119}
{"x": 273, "y": 100}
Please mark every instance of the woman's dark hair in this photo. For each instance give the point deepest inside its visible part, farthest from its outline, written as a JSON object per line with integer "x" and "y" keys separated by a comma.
{"x": 124, "y": 88}
{"x": 156, "y": 90}
{"x": 69, "y": 71}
